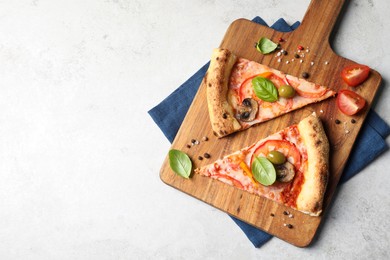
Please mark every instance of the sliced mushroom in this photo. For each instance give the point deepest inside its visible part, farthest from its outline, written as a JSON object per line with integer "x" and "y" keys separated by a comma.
{"x": 247, "y": 111}
{"x": 285, "y": 172}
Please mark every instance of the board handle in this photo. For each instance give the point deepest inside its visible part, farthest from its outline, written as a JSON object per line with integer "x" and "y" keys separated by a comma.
{"x": 320, "y": 18}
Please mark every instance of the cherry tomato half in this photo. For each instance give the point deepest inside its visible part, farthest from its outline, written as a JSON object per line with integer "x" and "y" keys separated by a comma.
{"x": 350, "y": 102}
{"x": 355, "y": 74}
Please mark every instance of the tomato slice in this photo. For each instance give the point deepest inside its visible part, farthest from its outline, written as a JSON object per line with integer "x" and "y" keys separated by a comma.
{"x": 287, "y": 148}
{"x": 278, "y": 81}
{"x": 355, "y": 74}
{"x": 306, "y": 89}
{"x": 246, "y": 89}
{"x": 350, "y": 102}
{"x": 228, "y": 178}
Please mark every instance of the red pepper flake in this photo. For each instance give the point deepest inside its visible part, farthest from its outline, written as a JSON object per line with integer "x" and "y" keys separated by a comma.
{"x": 300, "y": 47}
{"x": 281, "y": 39}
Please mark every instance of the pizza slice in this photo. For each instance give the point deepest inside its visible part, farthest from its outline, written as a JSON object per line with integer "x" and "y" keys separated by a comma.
{"x": 300, "y": 157}
{"x": 242, "y": 93}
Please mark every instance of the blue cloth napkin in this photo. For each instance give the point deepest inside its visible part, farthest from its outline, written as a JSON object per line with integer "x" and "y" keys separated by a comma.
{"x": 169, "y": 115}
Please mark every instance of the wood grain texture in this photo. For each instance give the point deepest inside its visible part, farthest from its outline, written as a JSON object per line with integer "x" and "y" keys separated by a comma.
{"x": 313, "y": 34}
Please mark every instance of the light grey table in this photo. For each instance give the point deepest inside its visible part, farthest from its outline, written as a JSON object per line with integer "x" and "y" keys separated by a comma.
{"x": 80, "y": 157}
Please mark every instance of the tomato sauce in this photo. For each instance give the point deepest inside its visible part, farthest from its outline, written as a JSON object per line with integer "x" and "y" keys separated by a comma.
{"x": 290, "y": 193}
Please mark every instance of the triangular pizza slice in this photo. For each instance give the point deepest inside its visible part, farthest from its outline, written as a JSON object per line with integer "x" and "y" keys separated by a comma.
{"x": 242, "y": 93}
{"x": 298, "y": 156}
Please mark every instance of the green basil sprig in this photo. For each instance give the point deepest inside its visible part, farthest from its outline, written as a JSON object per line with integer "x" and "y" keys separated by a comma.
{"x": 263, "y": 171}
{"x": 265, "y": 89}
{"x": 180, "y": 163}
{"x": 265, "y": 45}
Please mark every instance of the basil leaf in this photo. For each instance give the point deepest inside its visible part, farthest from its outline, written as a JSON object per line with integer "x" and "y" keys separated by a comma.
{"x": 263, "y": 171}
{"x": 265, "y": 89}
{"x": 180, "y": 163}
{"x": 265, "y": 45}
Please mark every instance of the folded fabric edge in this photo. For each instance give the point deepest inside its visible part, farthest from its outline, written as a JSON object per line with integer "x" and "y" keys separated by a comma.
{"x": 368, "y": 139}
{"x": 168, "y": 125}
{"x": 378, "y": 124}
{"x": 255, "y": 235}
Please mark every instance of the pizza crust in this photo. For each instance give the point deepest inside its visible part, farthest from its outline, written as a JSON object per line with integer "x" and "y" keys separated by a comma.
{"x": 216, "y": 82}
{"x": 310, "y": 199}
{"x": 306, "y": 197}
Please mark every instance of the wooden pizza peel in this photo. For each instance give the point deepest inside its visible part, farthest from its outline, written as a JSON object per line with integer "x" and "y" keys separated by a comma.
{"x": 324, "y": 68}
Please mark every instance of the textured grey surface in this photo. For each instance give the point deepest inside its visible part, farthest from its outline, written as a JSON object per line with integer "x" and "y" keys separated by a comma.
{"x": 80, "y": 156}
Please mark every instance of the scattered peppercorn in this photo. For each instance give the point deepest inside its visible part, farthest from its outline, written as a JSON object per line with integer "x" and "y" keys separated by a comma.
{"x": 284, "y": 52}
{"x": 206, "y": 155}
{"x": 337, "y": 121}
{"x": 353, "y": 121}
{"x": 305, "y": 75}
{"x": 193, "y": 141}
{"x": 286, "y": 212}
{"x": 288, "y": 225}
{"x": 188, "y": 146}
{"x": 224, "y": 115}
{"x": 297, "y": 55}
{"x": 200, "y": 157}
{"x": 205, "y": 138}
{"x": 272, "y": 215}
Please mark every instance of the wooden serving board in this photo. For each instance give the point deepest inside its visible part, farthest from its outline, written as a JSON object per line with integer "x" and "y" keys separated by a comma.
{"x": 312, "y": 34}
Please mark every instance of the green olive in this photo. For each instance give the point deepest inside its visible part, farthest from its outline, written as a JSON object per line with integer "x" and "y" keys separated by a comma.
{"x": 276, "y": 157}
{"x": 286, "y": 91}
